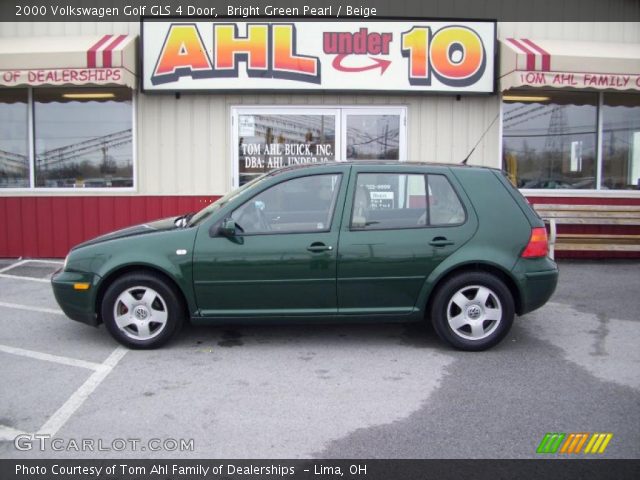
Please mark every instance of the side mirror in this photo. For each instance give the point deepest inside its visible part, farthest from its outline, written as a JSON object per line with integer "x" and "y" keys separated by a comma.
{"x": 228, "y": 227}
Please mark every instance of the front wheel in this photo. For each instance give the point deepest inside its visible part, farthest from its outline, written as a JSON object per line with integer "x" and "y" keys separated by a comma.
{"x": 140, "y": 310}
{"x": 472, "y": 311}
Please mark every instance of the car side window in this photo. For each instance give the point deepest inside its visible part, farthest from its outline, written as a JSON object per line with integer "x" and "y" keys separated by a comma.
{"x": 299, "y": 205}
{"x": 444, "y": 205}
{"x": 385, "y": 201}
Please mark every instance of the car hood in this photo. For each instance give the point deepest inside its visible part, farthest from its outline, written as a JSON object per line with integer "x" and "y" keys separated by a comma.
{"x": 142, "y": 229}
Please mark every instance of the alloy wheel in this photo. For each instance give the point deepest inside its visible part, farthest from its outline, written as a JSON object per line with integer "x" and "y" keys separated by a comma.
{"x": 474, "y": 312}
{"x": 140, "y": 313}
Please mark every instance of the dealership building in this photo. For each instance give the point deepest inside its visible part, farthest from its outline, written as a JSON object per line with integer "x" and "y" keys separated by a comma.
{"x": 104, "y": 125}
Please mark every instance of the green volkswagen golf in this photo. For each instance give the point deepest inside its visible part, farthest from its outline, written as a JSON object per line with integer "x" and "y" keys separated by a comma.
{"x": 342, "y": 242}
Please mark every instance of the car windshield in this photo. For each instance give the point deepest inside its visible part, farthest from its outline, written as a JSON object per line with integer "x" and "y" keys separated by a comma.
{"x": 218, "y": 204}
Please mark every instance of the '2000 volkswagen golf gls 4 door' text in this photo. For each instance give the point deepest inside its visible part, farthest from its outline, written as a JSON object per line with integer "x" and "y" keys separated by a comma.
{"x": 341, "y": 242}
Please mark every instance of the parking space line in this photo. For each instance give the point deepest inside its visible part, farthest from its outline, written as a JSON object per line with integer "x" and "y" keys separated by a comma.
{"x": 39, "y": 260}
{"x": 13, "y": 265}
{"x": 18, "y": 277}
{"x": 31, "y": 309}
{"x": 22, "y": 277}
{"x": 62, "y": 415}
{"x": 8, "y": 433}
{"x": 73, "y": 362}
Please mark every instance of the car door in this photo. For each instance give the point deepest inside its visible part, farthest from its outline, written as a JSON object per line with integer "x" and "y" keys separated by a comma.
{"x": 398, "y": 225}
{"x": 282, "y": 259}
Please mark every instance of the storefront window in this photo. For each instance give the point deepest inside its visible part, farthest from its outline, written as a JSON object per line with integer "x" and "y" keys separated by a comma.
{"x": 549, "y": 139}
{"x": 83, "y": 138}
{"x": 14, "y": 138}
{"x": 373, "y": 137}
{"x": 273, "y": 137}
{"x": 621, "y": 141}
{"x": 272, "y": 141}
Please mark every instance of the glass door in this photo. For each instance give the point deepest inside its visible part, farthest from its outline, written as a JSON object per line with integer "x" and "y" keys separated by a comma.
{"x": 266, "y": 138}
{"x": 269, "y": 137}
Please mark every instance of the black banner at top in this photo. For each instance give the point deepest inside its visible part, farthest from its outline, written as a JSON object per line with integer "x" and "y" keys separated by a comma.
{"x": 132, "y": 10}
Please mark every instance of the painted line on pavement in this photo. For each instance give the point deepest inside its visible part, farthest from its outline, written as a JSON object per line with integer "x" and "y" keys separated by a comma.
{"x": 19, "y": 277}
{"x": 8, "y": 433}
{"x": 31, "y": 309}
{"x": 40, "y": 260}
{"x": 72, "y": 362}
{"x": 64, "y": 413}
{"x": 13, "y": 265}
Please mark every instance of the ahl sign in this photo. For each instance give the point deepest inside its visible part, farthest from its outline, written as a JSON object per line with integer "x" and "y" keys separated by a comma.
{"x": 396, "y": 56}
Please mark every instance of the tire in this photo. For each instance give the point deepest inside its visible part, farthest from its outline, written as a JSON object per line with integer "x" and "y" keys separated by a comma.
{"x": 472, "y": 311}
{"x": 141, "y": 310}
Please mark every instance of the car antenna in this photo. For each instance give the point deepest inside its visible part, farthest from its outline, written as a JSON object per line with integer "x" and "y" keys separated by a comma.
{"x": 466, "y": 159}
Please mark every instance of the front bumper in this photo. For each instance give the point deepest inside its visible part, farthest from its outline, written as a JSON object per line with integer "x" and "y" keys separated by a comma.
{"x": 538, "y": 280}
{"x": 78, "y": 305}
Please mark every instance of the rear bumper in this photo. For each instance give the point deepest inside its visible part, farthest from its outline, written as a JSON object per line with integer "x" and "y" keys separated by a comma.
{"x": 537, "y": 284}
{"x": 78, "y": 305}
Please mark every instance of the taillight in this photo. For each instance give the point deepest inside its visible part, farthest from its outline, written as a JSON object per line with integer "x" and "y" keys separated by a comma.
{"x": 538, "y": 245}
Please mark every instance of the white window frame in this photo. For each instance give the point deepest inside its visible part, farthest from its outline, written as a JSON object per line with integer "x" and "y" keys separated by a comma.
{"x": 32, "y": 157}
{"x": 339, "y": 112}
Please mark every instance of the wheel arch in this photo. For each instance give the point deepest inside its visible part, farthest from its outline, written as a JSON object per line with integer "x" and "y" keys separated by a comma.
{"x": 113, "y": 275}
{"x": 479, "y": 266}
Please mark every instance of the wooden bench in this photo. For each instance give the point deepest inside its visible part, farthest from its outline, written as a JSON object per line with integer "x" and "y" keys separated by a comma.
{"x": 555, "y": 215}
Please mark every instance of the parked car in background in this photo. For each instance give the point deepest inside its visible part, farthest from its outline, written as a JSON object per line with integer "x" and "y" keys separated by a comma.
{"x": 342, "y": 242}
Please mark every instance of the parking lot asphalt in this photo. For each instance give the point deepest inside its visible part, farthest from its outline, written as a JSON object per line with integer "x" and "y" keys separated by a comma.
{"x": 362, "y": 391}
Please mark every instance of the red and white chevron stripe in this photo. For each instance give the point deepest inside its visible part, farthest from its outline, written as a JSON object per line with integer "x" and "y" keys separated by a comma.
{"x": 100, "y": 55}
{"x": 537, "y": 58}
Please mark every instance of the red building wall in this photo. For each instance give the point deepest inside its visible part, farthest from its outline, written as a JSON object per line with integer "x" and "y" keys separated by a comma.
{"x": 47, "y": 227}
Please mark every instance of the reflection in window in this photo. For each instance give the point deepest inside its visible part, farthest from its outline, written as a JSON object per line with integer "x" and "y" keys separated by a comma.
{"x": 83, "y": 137}
{"x": 389, "y": 201}
{"x": 621, "y": 141}
{"x": 299, "y": 205}
{"x": 14, "y": 138}
{"x": 373, "y": 137}
{"x": 269, "y": 141}
{"x": 550, "y": 139}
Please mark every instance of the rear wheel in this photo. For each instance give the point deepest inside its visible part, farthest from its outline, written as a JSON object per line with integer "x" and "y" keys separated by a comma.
{"x": 472, "y": 311}
{"x": 141, "y": 310}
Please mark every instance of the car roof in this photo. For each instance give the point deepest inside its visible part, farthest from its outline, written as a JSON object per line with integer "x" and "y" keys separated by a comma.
{"x": 394, "y": 163}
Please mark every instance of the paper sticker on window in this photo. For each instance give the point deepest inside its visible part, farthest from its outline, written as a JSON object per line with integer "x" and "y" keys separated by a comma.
{"x": 247, "y": 126}
{"x": 382, "y": 199}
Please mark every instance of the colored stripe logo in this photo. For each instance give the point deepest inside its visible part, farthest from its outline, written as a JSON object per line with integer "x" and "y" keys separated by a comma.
{"x": 573, "y": 443}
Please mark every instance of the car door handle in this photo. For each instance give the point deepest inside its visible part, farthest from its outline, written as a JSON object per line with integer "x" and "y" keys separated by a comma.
{"x": 440, "y": 242}
{"x": 319, "y": 247}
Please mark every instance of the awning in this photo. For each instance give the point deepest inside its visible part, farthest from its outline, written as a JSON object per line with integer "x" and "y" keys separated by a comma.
{"x": 103, "y": 60}
{"x": 565, "y": 64}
